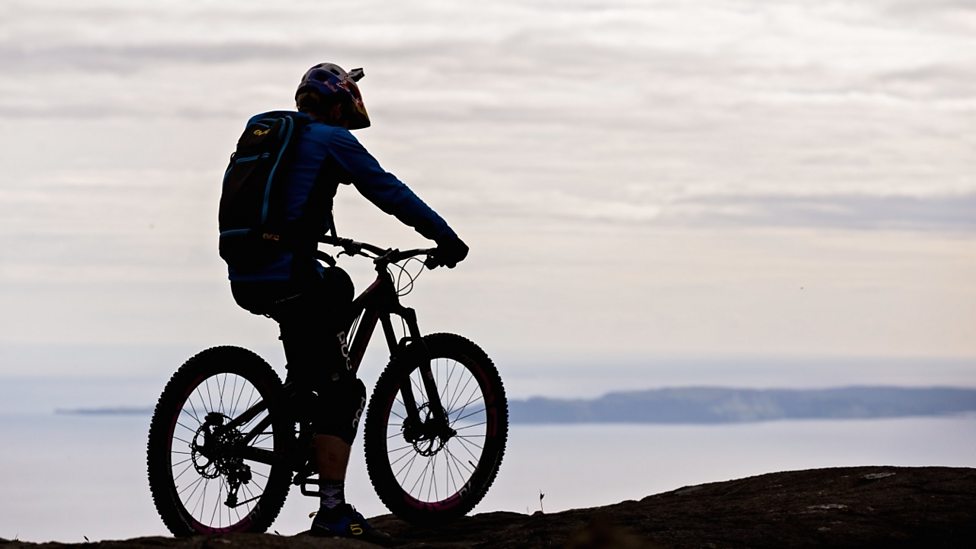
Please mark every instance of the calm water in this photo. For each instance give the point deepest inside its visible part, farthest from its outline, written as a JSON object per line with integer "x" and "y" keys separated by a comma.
{"x": 66, "y": 477}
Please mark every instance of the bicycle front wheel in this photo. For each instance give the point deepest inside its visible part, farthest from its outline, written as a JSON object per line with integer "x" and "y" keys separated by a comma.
{"x": 205, "y": 478}
{"x": 425, "y": 479}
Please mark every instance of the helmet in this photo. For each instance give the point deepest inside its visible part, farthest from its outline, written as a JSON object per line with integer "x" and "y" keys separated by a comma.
{"x": 331, "y": 82}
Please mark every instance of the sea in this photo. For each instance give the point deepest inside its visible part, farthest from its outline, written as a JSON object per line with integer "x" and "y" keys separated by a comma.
{"x": 72, "y": 478}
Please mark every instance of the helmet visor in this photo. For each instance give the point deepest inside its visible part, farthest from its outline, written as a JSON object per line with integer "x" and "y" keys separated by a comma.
{"x": 356, "y": 113}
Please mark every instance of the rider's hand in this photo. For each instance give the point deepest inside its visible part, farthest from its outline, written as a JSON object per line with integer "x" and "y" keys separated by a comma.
{"x": 449, "y": 252}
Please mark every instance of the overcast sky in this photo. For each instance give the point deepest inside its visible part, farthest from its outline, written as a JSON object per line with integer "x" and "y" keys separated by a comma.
{"x": 639, "y": 181}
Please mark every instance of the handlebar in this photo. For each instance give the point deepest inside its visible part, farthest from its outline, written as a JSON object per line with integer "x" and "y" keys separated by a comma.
{"x": 380, "y": 256}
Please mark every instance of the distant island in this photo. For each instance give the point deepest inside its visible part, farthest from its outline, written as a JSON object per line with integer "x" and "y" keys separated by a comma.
{"x": 709, "y": 405}
{"x": 726, "y": 405}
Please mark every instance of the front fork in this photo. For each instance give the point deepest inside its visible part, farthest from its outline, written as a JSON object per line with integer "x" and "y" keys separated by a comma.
{"x": 412, "y": 349}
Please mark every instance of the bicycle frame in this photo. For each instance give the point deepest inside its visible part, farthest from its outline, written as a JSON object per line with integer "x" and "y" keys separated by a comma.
{"x": 379, "y": 302}
{"x": 376, "y": 304}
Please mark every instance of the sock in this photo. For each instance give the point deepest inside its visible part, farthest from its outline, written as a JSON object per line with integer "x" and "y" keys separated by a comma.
{"x": 332, "y": 493}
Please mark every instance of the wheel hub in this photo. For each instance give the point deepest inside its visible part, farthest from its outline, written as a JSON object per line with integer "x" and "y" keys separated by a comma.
{"x": 429, "y": 435}
{"x": 213, "y": 452}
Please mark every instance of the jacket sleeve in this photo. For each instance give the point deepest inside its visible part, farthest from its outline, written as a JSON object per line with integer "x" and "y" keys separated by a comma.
{"x": 384, "y": 190}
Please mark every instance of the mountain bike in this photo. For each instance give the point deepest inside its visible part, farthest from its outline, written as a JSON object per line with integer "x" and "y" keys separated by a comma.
{"x": 228, "y": 439}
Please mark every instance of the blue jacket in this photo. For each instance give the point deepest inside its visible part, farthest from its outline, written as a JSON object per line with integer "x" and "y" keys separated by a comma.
{"x": 325, "y": 157}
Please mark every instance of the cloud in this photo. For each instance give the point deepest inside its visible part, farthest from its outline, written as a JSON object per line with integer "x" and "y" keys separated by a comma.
{"x": 575, "y": 140}
{"x": 128, "y": 58}
{"x": 842, "y": 211}
{"x": 932, "y": 82}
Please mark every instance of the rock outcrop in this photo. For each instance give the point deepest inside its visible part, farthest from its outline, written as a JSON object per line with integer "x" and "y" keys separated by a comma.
{"x": 843, "y": 507}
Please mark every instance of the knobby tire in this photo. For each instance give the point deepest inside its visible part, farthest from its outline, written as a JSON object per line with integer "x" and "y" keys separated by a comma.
{"x": 432, "y": 482}
{"x": 180, "y": 409}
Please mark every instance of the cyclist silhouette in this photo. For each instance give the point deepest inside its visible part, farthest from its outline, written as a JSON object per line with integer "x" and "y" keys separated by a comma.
{"x": 309, "y": 300}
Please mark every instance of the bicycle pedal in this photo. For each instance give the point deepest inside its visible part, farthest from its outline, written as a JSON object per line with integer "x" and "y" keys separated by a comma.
{"x": 304, "y": 484}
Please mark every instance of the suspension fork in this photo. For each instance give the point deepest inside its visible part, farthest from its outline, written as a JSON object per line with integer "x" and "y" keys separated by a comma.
{"x": 412, "y": 349}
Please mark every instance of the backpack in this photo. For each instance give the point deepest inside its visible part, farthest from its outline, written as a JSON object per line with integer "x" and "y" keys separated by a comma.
{"x": 253, "y": 231}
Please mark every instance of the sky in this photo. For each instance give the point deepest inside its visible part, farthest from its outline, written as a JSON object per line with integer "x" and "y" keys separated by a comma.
{"x": 654, "y": 192}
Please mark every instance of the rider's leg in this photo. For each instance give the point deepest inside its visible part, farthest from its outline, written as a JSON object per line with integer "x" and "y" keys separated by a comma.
{"x": 307, "y": 314}
{"x": 333, "y": 408}
{"x": 332, "y": 460}
{"x": 342, "y": 400}
{"x": 331, "y": 457}
{"x": 341, "y": 404}
{"x": 319, "y": 362}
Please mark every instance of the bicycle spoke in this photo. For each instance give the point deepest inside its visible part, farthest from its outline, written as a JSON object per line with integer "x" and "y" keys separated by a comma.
{"x": 464, "y": 441}
{"x": 227, "y": 508}
{"x": 233, "y": 398}
{"x": 193, "y": 510}
{"x": 250, "y": 495}
{"x": 203, "y": 402}
{"x": 408, "y": 466}
{"x": 194, "y": 414}
{"x": 203, "y": 496}
{"x": 222, "y": 386}
{"x": 191, "y": 485}
{"x": 423, "y": 475}
{"x": 453, "y": 466}
{"x": 474, "y": 395}
{"x": 479, "y": 411}
{"x": 185, "y": 469}
{"x": 400, "y": 448}
{"x": 401, "y": 458}
{"x": 223, "y": 485}
{"x": 180, "y": 423}
{"x": 219, "y": 490}
{"x": 466, "y": 383}
{"x": 250, "y": 398}
{"x": 465, "y": 446}
{"x": 457, "y": 461}
{"x": 447, "y": 386}
{"x": 206, "y": 383}
{"x": 469, "y": 437}
{"x": 189, "y": 419}
{"x": 236, "y": 512}
{"x": 418, "y": 385}
{"x": 203, "y": 405}
{"x": 433, "y": 477}
{"x": 450, "y": 472}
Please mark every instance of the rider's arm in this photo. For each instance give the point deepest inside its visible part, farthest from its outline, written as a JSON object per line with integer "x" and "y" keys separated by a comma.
{"x": 386, "y": 191}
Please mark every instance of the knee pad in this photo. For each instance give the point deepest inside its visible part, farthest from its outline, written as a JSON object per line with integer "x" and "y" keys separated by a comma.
{"x": 341, "y": 406}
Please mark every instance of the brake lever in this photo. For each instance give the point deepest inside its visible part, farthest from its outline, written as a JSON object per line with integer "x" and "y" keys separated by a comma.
{"x": 326, "y": 257}
{"x": 350, "y": 249}
{"x": 391, "y": 256}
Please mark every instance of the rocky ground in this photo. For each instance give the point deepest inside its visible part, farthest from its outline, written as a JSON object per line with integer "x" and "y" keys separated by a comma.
{"x": 845, "y": 507}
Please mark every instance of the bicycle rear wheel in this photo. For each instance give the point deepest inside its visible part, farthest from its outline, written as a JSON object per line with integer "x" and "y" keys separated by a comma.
{"x": 199, "y": 479}
{"x": 427, "y": 479}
